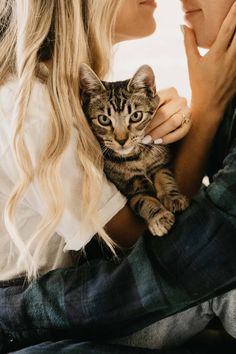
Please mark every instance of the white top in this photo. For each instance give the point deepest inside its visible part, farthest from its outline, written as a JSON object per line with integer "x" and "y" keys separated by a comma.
{"x": 68, "y": 235}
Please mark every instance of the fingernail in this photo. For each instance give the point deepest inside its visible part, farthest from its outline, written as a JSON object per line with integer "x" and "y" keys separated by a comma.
{"x": 147, "y": 139}
{"x": 182, "y": 28}
{"x": 158, "y": 141}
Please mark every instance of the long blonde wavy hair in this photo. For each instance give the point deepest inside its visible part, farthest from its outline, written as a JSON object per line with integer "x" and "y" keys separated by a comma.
{"x": 64, "y": 33}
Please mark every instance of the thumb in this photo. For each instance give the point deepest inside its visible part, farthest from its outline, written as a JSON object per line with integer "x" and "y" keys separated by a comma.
{"x": 190, "y": 44}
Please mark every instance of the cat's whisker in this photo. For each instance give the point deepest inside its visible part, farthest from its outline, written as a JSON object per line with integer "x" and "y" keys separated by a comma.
{"x": 158, "y": 148}
{"x": 108, "y": 153}
{"x": 104, "y": 149}
{"x": 144, "y": 146}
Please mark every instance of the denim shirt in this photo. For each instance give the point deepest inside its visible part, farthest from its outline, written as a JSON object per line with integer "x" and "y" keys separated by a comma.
{"x": 223, "y": 140}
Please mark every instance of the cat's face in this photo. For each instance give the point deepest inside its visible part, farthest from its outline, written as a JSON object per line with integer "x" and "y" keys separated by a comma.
{"x": 119, "y": 112}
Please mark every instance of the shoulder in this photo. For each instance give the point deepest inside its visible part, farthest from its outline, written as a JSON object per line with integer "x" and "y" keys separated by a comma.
{"x": 36, "y": 118}
{"x": 39, "y": 102}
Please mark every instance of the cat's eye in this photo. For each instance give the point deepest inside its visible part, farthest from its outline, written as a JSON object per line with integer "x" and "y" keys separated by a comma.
{"x": 136, "y": 117}
{"x": 104, "y": 120}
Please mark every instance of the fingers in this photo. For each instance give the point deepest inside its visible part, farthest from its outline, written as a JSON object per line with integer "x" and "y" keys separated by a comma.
{"x": 166, "y": 111}
{"x": 175, "y": 127}
{"x": 227, "y": 31}
{"x": 167, "y": 95}
{"x": 176, "y": 134}
{"x": 190, "y": 44}
{"x": 171, "y": 121}
{"x": 232, "y": 48}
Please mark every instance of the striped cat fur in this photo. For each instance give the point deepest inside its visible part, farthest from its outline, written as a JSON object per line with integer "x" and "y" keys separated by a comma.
{"x": 118, "y": 113}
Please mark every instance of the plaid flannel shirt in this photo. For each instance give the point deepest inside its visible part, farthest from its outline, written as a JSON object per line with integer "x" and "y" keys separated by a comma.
{"x": 103, "y": 298}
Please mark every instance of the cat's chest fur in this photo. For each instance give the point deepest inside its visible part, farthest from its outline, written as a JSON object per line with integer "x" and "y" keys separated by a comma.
{"x": 146, "y": 162}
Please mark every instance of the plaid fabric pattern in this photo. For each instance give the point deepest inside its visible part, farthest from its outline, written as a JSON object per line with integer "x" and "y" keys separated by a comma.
{"x": 73, "y": 347}
{"x": 161, "y": 276}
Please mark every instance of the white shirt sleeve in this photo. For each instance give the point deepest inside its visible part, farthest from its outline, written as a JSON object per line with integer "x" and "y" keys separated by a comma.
{"x": 111, "y": 201}
{"x": 69, "y": 227}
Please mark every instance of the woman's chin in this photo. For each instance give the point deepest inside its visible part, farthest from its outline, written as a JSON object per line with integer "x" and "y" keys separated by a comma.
{"x": 204, "y": 42}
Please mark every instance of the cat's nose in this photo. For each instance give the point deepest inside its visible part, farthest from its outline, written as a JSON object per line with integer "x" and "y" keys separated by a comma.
{"x": 122, "y": 141}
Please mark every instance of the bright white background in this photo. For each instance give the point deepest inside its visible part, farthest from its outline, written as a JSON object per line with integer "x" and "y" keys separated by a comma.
{"x": 163, "y": 51}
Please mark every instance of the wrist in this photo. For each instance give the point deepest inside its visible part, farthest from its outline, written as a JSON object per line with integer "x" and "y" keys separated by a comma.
{"x": 210, "y": 114}
{"x": 209, "y": 106}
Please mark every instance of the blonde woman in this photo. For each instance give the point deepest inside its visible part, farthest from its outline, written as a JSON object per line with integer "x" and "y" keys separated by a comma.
{"x": 54, "y": 197}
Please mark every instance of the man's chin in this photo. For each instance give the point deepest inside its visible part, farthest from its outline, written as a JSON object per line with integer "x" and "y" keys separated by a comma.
{"x": 204, "y": 42}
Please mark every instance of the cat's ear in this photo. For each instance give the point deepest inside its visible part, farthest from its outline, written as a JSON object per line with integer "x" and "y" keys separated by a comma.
{"x": 89, "y": 82}
{"x": 143, "y": 78}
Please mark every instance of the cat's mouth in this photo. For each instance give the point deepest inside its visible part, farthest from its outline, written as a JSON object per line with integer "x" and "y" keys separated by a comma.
{"x": 124, "y": 151}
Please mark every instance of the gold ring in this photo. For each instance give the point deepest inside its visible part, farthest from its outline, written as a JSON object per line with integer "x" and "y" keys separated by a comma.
{"x": 185, "y": 119}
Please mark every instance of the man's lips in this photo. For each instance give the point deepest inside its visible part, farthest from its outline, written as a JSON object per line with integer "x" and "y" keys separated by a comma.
{"x": 191, "y": 11}
{"x": 190, "y": 14}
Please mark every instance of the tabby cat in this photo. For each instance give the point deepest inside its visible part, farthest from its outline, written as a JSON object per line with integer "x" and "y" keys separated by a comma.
{"x": 118, "y": 113}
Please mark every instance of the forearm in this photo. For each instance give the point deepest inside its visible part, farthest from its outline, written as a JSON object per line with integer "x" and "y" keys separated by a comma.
{"x": 125, "y": 227}
{"x": 194, "y": 149}
{"x": 212, "y": 80}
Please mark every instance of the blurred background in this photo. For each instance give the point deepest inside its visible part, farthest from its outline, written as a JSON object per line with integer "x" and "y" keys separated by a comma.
{"x": 163, "y": 51}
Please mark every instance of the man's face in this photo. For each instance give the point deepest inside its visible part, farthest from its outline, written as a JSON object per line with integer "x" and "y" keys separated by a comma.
{"x": 206, "y": 18}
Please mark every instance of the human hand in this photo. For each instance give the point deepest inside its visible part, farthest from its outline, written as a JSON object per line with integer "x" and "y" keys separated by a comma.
{"x": 172, "y": 120}
{"x": 213, "y": 76}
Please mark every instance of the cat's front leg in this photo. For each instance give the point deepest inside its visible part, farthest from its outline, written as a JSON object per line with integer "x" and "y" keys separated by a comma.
{"x": 168, "y": 192}
{"x": 140, "y": 193}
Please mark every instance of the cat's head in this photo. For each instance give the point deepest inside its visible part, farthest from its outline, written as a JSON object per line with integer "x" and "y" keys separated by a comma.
{"x": 118, "y": 112}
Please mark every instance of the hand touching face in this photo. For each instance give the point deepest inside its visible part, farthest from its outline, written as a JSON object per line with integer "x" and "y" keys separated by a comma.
{"x": 213, "y": 75}
{"x": 205, "y": 17}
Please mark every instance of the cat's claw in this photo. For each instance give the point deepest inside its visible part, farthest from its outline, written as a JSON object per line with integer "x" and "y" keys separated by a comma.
{"x": 161, "y": 223}
{"x": 177, "y": 203}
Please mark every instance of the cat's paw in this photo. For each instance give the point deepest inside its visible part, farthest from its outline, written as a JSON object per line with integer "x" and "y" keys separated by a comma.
{"x": 177, "y": 203}
{"x": 161, "y": 223}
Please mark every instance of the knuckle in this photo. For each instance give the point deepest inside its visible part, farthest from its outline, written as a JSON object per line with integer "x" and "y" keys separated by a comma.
{"x": 164, "y": 114}
{"x": 174, "y": 91}
{"x": 184, "y": 101}
{"x": 175, "y": 122}
{"x": 162, "y": 93}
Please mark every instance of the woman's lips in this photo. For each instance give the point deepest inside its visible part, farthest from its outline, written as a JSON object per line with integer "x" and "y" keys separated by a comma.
{"x": 151, "y": 3}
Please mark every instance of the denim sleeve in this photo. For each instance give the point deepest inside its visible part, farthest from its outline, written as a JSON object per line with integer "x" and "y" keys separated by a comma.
{"x": 223, "y": 140}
